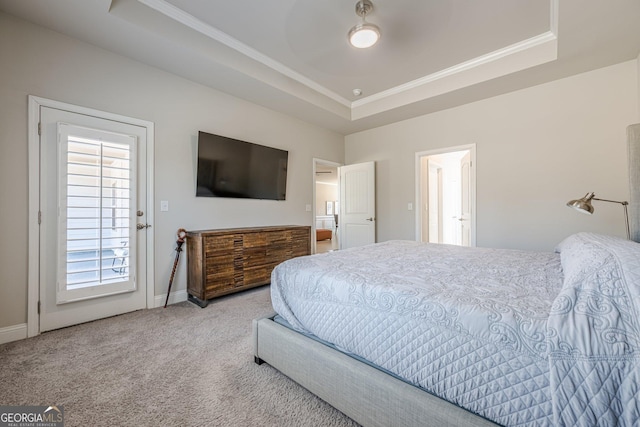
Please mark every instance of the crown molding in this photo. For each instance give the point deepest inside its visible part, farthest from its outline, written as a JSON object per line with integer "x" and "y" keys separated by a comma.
{"x": 516, "y": 57}
{"x": 194, "y": 23}
{"x": 460, "y": 68}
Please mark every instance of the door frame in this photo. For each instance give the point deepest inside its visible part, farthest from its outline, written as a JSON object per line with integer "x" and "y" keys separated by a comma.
{"x": 316, "y": 162}
{"x": 419, "y": 187}
{"x": 33, "y": 142}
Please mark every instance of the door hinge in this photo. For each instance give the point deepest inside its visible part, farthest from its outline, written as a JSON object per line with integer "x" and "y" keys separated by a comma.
{"x": 39, "y": 128}
{"x": 38, "y": 307}
{"x": 39, "y": 217}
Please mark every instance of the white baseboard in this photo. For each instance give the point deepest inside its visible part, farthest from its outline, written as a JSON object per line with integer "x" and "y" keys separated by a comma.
{"x": 174, "y": 297}
{"x": 19, "y": 332}
{"x": 13, "y": 333}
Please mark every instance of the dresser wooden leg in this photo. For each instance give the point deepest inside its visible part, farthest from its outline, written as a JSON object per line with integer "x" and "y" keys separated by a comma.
{"x": 202, "y": 303}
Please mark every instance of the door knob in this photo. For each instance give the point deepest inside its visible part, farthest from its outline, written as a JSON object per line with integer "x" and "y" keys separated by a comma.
{"x": 141, "y": 226}
{"x": 370, "y": 219}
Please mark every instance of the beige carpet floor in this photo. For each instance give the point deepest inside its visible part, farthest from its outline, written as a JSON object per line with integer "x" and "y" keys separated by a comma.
{"x": 179, "y": 366}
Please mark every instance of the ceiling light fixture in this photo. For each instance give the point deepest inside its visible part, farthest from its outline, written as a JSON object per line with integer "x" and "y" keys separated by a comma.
{"x": 364, "y": 34}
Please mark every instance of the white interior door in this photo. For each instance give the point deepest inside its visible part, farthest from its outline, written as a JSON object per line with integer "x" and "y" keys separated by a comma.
{"x": 92, "y": 195}
{"x": 357, "y": 205}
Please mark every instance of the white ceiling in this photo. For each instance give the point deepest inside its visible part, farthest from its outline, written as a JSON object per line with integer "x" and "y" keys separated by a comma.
{"x": 293, "y": 56}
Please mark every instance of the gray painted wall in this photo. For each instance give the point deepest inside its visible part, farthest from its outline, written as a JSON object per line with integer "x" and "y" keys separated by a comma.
{"x": 36, "y": 61}
{"x": 537, "y": 148}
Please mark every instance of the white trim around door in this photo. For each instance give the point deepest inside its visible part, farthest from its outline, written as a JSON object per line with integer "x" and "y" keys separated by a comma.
{"x": 420, "y": 183}
{"x": 33, "y": 140}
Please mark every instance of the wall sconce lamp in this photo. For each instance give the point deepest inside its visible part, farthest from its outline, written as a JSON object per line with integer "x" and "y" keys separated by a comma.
{"x": 584, "y": 206}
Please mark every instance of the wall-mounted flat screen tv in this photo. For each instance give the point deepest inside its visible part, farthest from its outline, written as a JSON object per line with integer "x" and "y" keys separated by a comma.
{"x": 229, "y": 167}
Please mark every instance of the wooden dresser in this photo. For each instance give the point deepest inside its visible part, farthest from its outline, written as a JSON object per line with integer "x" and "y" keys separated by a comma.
{"x": 224, "y": 261}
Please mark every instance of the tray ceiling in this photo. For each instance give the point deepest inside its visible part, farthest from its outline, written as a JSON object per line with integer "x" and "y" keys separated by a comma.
{"x": 293, "y": 55}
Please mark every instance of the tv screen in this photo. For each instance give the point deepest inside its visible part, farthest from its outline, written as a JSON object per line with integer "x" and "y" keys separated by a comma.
{"x": 229, "y": 167}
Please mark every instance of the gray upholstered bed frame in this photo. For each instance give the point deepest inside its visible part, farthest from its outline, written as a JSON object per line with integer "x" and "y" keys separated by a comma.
{"x": 368, "y": 395}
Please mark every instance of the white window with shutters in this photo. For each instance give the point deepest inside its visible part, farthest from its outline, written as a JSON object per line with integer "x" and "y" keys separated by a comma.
{"x": 96, "y": 215}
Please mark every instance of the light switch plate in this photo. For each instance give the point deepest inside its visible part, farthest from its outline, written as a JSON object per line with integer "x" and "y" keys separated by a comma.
{"x": 307, "y": 208}
{"x": 164, "y": 206}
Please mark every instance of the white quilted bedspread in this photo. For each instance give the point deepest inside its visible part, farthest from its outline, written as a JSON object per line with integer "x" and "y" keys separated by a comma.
{"x": 594, "y": 333}
{"x": 471, "y": 325}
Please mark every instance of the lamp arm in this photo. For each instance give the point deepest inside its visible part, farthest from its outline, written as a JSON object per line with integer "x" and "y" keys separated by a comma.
{"x": 625, "y": 203}
{"x": 626, "y": 214}
{"x": 626, "y": 219}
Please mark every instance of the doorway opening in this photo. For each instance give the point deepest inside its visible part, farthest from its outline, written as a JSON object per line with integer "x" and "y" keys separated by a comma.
{"x": 326, "y": 206}
{"x": 445, "y": 195}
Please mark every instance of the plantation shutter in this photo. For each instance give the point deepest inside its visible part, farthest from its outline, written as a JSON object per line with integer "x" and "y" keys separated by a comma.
{"x": 96, "y": 213}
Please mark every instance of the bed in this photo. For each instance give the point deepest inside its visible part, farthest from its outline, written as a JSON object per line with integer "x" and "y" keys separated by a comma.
{"x": 408, "y": 334}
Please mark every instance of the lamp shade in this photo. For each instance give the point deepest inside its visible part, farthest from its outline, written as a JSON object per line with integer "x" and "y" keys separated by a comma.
{"x": 364, "y": 35}
{"x": 582, "y": 205}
